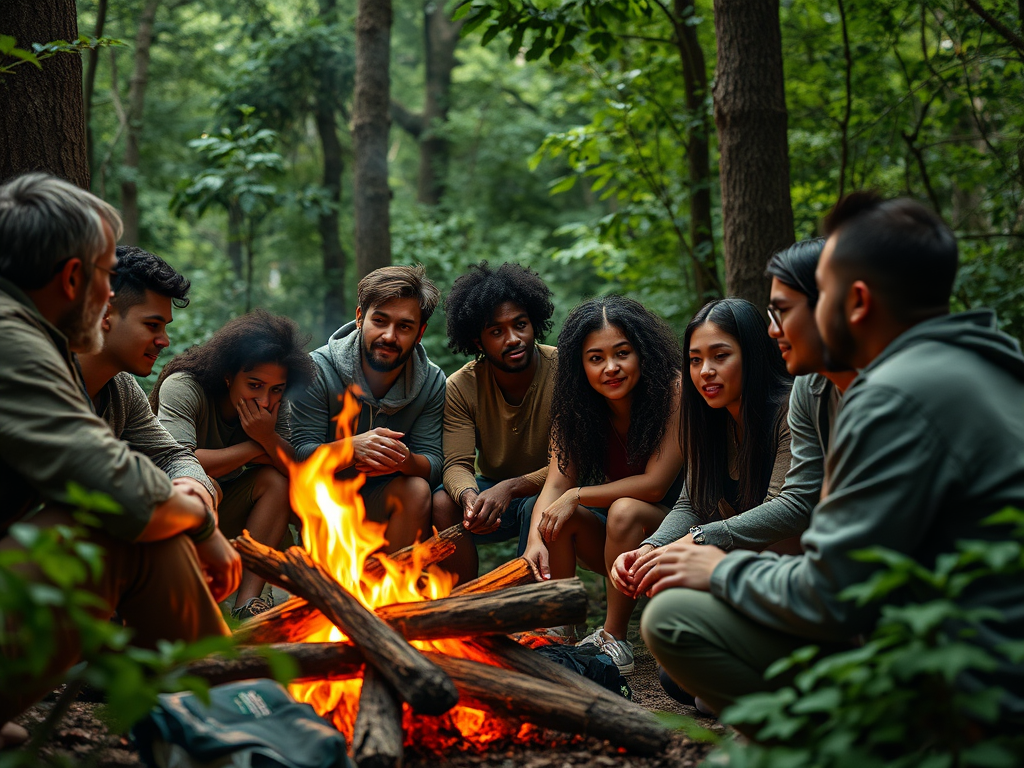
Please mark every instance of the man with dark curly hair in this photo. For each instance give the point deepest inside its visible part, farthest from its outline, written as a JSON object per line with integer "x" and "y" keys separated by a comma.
{"x": 497, "y": 408}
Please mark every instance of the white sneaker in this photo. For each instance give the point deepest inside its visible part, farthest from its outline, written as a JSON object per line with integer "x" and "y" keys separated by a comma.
{"x": 619, "y": 651}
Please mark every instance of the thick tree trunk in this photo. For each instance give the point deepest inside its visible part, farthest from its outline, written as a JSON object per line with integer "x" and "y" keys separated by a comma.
{"x": 695, "y": 84}
{"x": 136, "y": 104}
{"x": 90, "y": 84}
{"x": 750, "y": 113}
{"x": 42, "y": 119}
{"x": 441, "y": 37}
{"x": 370, "y": 122}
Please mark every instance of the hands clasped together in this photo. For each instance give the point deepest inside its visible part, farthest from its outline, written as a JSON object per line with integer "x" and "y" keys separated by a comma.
{"x": 482, "y": 511}
{"x": 380, "y": 452}
{"x": 648, "y": 570}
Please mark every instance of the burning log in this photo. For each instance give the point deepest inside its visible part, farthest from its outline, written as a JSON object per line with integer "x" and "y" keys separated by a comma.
{"x": 316, "y": 661}
{"x": 419, "y": 682}
{"x": 430, "y": 551}
{"x": 511, "y": 574}
{"x": 627, "y": 724}
{"x": 586, "y": 711}
{"x": 377, "y": 740}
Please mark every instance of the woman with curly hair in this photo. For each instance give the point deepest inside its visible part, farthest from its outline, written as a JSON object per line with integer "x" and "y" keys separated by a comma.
{"x": 615, "y": 460}
{"x": 224, "y": 400}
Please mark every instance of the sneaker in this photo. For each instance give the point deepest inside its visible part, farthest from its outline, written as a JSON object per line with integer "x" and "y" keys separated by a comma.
{"x": 254, "y": 606}
{"x": 619, "y": 651}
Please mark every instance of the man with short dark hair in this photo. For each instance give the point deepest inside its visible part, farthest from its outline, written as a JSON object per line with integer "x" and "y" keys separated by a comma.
{"x": 57, "y": 256}
{"x": 497, "y": 408}
{"x": 146, "y": 289}
{"x": 929, "y": 442}
{"x": 396, "y": 440}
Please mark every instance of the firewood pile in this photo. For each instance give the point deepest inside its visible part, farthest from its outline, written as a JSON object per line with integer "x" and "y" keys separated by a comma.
{"x": 514, "y": 683}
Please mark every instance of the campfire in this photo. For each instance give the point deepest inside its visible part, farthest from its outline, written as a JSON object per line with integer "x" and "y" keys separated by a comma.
{"x": 392, "y": 655}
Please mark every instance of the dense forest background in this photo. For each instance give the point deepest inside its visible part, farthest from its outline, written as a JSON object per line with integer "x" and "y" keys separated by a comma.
{"x": 581, "y": 137}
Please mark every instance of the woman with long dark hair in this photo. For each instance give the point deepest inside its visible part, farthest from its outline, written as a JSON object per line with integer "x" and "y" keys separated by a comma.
{"x": 615, "y": 461}
{"x": 223, "y": 399}
{"x": 735, "y": 436}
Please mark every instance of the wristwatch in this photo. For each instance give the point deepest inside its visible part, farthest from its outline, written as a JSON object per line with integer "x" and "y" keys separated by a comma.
{"x": 698, "y": 535}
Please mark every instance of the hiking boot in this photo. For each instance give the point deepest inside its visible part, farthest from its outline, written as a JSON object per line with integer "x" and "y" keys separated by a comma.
{"x": 619, "y": 651}
{"x": 254, "y": 606}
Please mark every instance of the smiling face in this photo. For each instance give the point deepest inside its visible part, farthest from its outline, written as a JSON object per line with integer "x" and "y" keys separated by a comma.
{"x": 798, "y": 337}
{"x": 716, "y": 366}
{"x": 390, "y": 333}
{"x": 610, "y": 362}
{"x": 507, "y": 339}
{"x": 264, "y": 384}
{"x": 134, "y": 341}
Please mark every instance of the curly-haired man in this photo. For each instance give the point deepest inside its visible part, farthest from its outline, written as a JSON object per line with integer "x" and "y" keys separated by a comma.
{"x": 497, "y": 412}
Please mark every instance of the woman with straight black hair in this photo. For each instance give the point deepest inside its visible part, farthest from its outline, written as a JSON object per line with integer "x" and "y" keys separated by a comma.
{"x": 735, "y": 436}
{"x": 615, "y": 461}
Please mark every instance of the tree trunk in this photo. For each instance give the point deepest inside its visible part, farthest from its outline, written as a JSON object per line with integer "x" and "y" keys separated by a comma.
{"x": 370, "y": 122}
{"x": 42, "y": 120}
{"x": 90, "y": 84}
{"x": 235, "y": 221}
{"x": 441, "y": 37}
{"x": 750, "y": 113}
{"x": 334, "y": 257}
{"x": 136, "y": 103}
{"x": 695, "y": 83}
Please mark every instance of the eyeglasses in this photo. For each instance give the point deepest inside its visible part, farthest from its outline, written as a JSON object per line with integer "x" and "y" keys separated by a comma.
{"x": 774, "y": 317}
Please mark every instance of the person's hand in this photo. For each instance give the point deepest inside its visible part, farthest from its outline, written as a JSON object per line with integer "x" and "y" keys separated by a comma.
{"x": 485, "y": 513}
{"x": 193, "y": 487}
{"x": 539, "y": 558}
{"x": 680, "y": 564}
{"x": 258, "y": 422}
{"x": 221, "y": 565}
{"x": 554, "y": 518}
{"x": 621, "y": 572}
{"x": 379, "y": 451}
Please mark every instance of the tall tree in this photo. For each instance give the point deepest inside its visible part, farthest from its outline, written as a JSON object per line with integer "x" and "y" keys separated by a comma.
{"x": 370, "y": 123}
{"x": 90, "y": 84}
{"x": 42, "y": 121}
{"x": 750, "y": 113}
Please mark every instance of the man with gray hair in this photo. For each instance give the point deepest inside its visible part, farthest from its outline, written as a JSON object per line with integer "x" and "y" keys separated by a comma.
{"x": 163, "y": 553}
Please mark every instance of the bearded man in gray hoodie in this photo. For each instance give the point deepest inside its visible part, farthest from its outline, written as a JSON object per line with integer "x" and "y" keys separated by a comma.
{"x": 928, "y": 444}
{"x": 396, "y": 439}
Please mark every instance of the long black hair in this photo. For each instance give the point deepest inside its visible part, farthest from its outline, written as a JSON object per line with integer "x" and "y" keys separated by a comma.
{"x": 244, "y": 342}
{"x": 765, "y": 399}
{"x": 579, "y": 414}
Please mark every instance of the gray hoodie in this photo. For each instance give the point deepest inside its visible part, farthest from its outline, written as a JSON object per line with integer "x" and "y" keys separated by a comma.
{"x": 414, "y": 405}
{"x": 928, "y": 443}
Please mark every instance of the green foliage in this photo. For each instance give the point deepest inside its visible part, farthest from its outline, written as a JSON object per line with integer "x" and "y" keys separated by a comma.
{"x": 42, "y": 51}
{"x": 895, "y": 701}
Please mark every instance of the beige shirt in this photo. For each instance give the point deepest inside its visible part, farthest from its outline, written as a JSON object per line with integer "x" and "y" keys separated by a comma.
{"x": 505, "y": 440}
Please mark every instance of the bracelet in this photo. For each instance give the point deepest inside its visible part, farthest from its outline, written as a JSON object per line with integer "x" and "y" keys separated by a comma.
{"x": 206, "y": 530}
{"x": 579, "y": 489}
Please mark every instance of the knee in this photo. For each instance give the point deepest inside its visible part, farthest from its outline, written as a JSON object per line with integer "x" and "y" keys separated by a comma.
{"x": 622, "y": 518}
{"x": 414, "y": 493}
{"x": 269, "y": 481}
{"x": 445, "y": 512}
{"x": 672, "y": 616}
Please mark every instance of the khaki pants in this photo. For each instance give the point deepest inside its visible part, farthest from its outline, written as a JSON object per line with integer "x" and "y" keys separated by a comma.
{"x": 157, "y": 588}
{"x": 713, "y": 651}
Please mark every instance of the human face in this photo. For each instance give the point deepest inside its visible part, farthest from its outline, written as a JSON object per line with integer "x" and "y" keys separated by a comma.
{"x": 135, "y": 340}
{"x": 798, "y": 337}
{"x": 716, "y": 366}
{"x": 81, "y": 323}
{"x": 264, "y": 385}
{"x": 840, "y": 347}
{"x": 390, "y": 333}
{"x": 610, "y": 362}
{"x": 507, "y": 339}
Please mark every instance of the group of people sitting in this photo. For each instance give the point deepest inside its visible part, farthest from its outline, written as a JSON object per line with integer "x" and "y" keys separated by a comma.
{"x": 727, "y": 477}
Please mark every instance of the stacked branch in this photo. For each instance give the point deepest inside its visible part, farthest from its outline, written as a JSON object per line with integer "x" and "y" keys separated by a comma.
{"x": 430, "y": 551}
{"x": 378, "y": 736}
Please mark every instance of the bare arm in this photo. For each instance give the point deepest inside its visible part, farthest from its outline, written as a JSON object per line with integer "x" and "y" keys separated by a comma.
{"x": 218, "y": 462}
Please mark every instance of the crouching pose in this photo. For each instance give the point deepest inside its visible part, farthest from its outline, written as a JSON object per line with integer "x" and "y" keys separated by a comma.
{"x": 615, "y": 464}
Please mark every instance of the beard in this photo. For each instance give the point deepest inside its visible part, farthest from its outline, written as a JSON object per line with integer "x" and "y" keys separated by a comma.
{"x": 82, "y": 325}
{"x": 839, "y": 351}
{"x": 499, "y": 361}
{"x": 381, "y": 365}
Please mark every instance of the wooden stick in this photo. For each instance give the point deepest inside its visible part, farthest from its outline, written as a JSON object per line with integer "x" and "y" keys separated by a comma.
{"x": 316, "y": 661}
{"x": 512, "y": 694}
{"x": 430, "y": 551}
{"x": 511, "y": 574}
{"x": 628, "y": 725}
{"x": 422, "y": 684}
{"x": 377, "y": 739}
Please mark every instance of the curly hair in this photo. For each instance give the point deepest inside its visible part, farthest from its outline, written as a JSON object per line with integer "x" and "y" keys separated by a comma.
{"x": 580, "y": 414}
{"x": 765, "y": 399}
{"x": 243, "y": 343}
{"x": 139, "y": 271}
{"x": 475, "y": 295}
